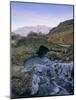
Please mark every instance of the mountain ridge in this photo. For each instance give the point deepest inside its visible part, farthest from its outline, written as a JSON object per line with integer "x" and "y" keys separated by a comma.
{"x": 24, "y": 31}
{"x": 63, "y": 33}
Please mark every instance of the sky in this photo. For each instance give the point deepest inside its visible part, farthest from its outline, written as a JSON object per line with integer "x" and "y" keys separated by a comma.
{"x": 32, "y": 14}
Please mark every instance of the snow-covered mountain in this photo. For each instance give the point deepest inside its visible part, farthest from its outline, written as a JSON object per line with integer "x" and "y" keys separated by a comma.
{"x": 24, "y": 31}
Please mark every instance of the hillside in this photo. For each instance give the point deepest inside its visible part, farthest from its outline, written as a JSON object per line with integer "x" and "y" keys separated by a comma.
{"x": 63, "y": 33}
{"x": 43, "y": 76}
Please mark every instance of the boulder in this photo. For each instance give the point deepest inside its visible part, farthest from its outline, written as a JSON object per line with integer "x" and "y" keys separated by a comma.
{"x": 42, "y": 77}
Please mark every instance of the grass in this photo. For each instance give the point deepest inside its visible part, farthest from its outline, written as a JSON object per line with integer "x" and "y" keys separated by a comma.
{"x": 27, "y": 47}
{"x": 22, "y": 50}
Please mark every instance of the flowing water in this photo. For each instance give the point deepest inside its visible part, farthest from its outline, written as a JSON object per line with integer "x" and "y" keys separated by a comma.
{"x": 49, "y": 77}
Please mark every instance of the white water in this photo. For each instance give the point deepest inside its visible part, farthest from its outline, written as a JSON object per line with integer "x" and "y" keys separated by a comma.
{"x": 42, "y": 67}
